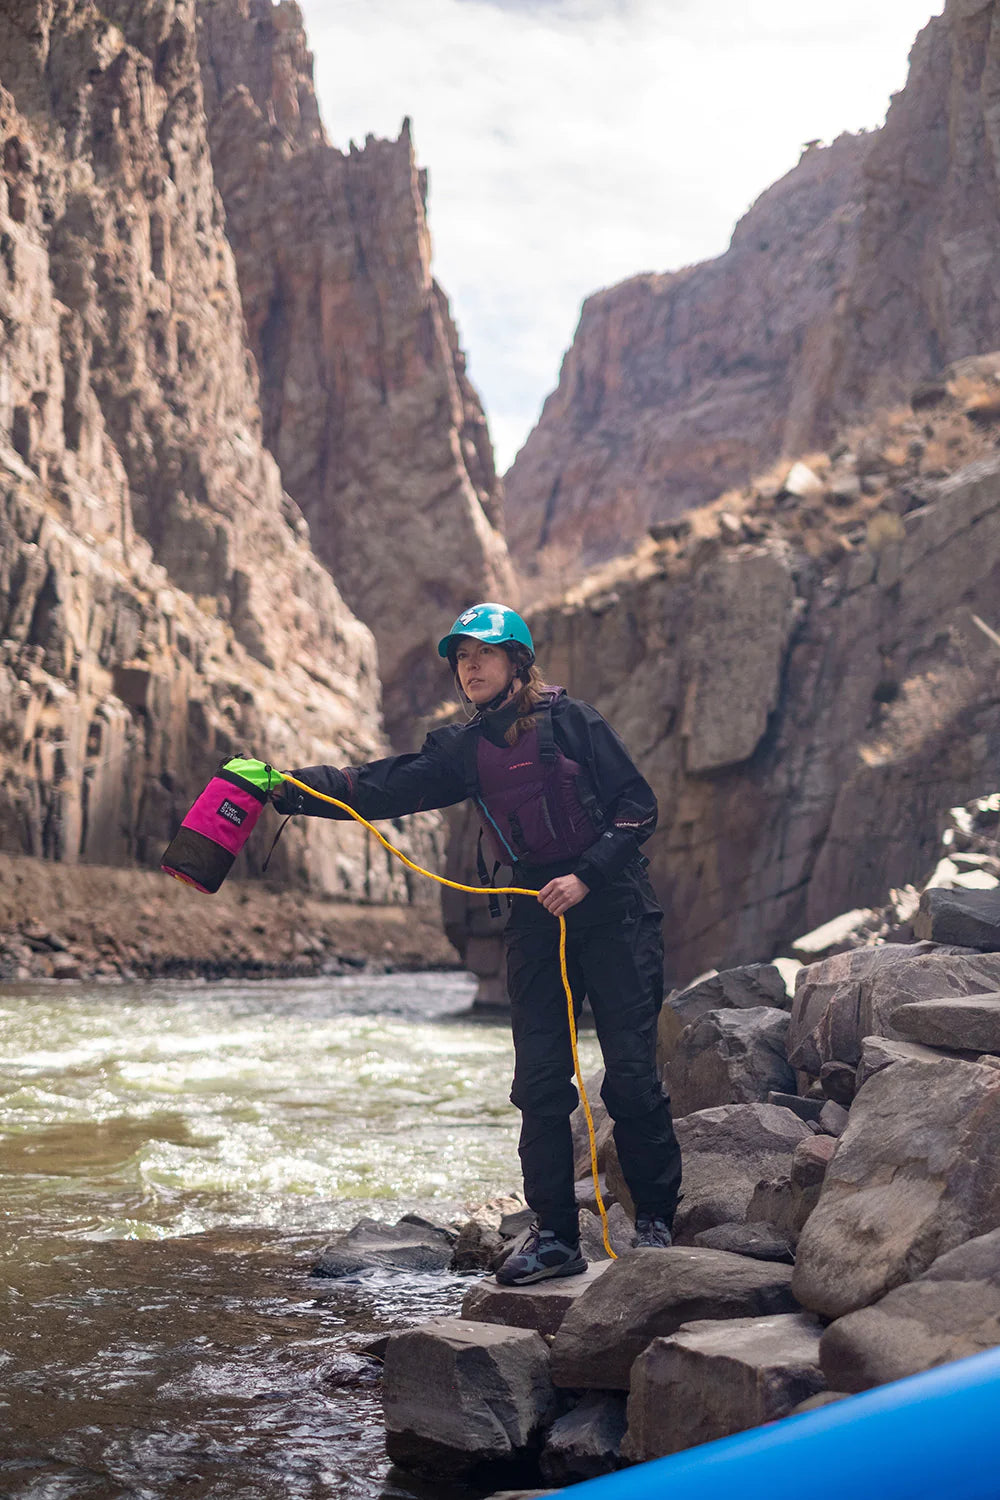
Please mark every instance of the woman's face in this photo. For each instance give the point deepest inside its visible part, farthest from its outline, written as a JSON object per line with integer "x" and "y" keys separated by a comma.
{"x": 483, "y": 670}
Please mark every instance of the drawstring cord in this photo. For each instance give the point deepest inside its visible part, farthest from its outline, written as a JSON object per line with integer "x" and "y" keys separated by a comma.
{"x": 509, "y": 890}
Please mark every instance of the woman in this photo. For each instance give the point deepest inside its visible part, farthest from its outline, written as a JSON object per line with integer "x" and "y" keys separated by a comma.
{"x": 562, "y": 804}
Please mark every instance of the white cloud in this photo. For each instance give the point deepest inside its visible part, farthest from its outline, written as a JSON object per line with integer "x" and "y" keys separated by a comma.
{"x": 573, "y": 143}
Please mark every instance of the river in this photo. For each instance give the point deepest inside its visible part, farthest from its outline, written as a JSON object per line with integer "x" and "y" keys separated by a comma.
{"x": 172, "y": 1158}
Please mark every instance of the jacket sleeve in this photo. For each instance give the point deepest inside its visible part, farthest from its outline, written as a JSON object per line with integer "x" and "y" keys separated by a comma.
{"x": 624, "y": 794}
{"x": 431, "y": 777}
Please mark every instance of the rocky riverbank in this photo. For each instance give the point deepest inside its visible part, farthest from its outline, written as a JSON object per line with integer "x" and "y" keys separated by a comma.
{"x": 839, "y": 1228}
{"x": 94, "y": 922}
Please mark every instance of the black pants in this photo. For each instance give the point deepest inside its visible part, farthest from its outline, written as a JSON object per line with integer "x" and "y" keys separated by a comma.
{"x": 615, "y": 958}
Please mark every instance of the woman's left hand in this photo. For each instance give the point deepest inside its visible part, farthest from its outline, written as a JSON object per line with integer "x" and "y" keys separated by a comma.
{"x": 562, "y": 893}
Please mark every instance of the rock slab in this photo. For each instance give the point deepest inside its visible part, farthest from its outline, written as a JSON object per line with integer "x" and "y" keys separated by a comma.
{"x": 730, "y": 1057}
{"x": 950, "y": 1312}
{"x": 743, "y": 988}
{"x": 726, "y": 1152}
{"x": 915, "y": 1174}
{"x": 844, "y": 999}
{"x": 712, "y": 1379}
{"x": 410, "y": 1245}
{"x": 459, "y": 1393}
{"x": 967, "y": 1025}
{"x": 587, "y": 1441}
{"x": 541, "y": 1307}
{"x": 760, "y": 1241}
{"x": 969, "y": 919}
{"x": 649, "y": 1294}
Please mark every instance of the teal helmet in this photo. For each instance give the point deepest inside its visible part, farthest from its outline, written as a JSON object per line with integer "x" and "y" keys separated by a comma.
{"x": 493, "y": 623}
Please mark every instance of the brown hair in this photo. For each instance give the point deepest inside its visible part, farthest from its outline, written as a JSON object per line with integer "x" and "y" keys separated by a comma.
{"x": 527, "y": 700}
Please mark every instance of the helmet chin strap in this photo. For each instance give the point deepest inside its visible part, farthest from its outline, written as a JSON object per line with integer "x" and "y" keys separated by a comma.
{"x": 499, "y": 699}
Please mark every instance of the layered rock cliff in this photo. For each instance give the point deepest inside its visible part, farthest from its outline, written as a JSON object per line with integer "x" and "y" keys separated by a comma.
{"x": 805, "y": 723}
{"x": 161, "y": 605}
{"x": 367, "y": 408}
{"x": 808, "y": 681}
{"x": 926, "y": 289}
{"x": 678, "y": 386}
{"x": 873, "y": 264}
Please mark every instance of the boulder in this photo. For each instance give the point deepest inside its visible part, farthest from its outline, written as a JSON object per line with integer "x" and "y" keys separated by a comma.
{"x": 953, "y": 1310}
{"x": 479, "y": 1240}
{"x": 744, "y": 988}
{"x": 967, "y": 1025}
{"x": 514, "y": 1223}
{"x": 587, "y": 1441}
{"x": 916, "y": 1173}
{"x": 941, "y": 975}
{"x": 730, "y": 1057}
{"x": 833, "y": 1118}
{"x": 726, "y": 1152}
{"x": 476, "y": 1248}
{"x": 761, "y": 1241}
{"x": 620, "y": 1231}
{"x": 346, "y": 1368}
{"x": 968, "y": 919}
{"x": 410, "y": 1245}
{"x": 878, "y": 1052}
{"x": 541, "y": 1306}
{"x": 838, "y": 1081}
{"x": 831, "y": 1016}
{"x": 786, "y": 1202}
{"x": 806, "y": 1109}
{"x": 458, "y": 1393}
{"x": 713, "y": 1379}
{"x": 824, "y": 1022}
{"x": 811, "y": 1160}
{"x": 648, "y": 1294}
{"x": 586, "y": 1194}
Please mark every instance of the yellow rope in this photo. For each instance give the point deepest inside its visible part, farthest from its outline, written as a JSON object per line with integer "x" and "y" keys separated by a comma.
{"x": 500, "y": 890}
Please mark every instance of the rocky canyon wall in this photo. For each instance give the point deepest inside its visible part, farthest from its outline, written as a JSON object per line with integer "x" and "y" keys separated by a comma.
{"x": 678, "y": 386}
{"x": 806, "y": 675}
{"x": 926, "y": 289}
{"x": 366, "y": 405}
{"x": 161, "y": 604}
{"x": 804, "y": 723}
{"x": 874, "y": 263}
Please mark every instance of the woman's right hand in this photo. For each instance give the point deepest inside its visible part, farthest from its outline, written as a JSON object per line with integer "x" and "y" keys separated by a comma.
{"x": 325, "y": 781}
{"x": 288, "y": 799}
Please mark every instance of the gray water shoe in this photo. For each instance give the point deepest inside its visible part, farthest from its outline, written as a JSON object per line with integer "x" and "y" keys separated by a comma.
{"x": 651, "y": 1233}
{"x": 540, "y": 1255}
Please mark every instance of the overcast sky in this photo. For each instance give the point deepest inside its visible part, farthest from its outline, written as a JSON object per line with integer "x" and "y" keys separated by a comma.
{"x": 573, "y": 143}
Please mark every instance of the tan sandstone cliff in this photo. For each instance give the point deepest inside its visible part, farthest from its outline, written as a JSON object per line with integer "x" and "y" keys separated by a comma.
{"x": 380, "y": 437}
{"x": 874, "y": 263}
{"x": 161, "y": 604}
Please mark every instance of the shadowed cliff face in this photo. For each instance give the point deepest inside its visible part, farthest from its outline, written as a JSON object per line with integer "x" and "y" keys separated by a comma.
{"x": 160, "y": 604}
{"x": 926, "y": 290}
{"x": 679, "y": 386}
{"x": 873, "y": 264}
{"x": 379, "y": 435}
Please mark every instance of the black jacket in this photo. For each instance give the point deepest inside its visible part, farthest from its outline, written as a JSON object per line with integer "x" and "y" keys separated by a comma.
{"x": 435, "y": 776}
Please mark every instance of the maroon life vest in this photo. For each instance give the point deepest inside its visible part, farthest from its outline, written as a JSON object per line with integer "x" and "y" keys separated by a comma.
{"x": 537, "y": 805}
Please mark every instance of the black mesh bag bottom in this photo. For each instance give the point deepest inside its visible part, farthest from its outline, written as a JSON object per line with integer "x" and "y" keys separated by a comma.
{"x": 198, "y": 860}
